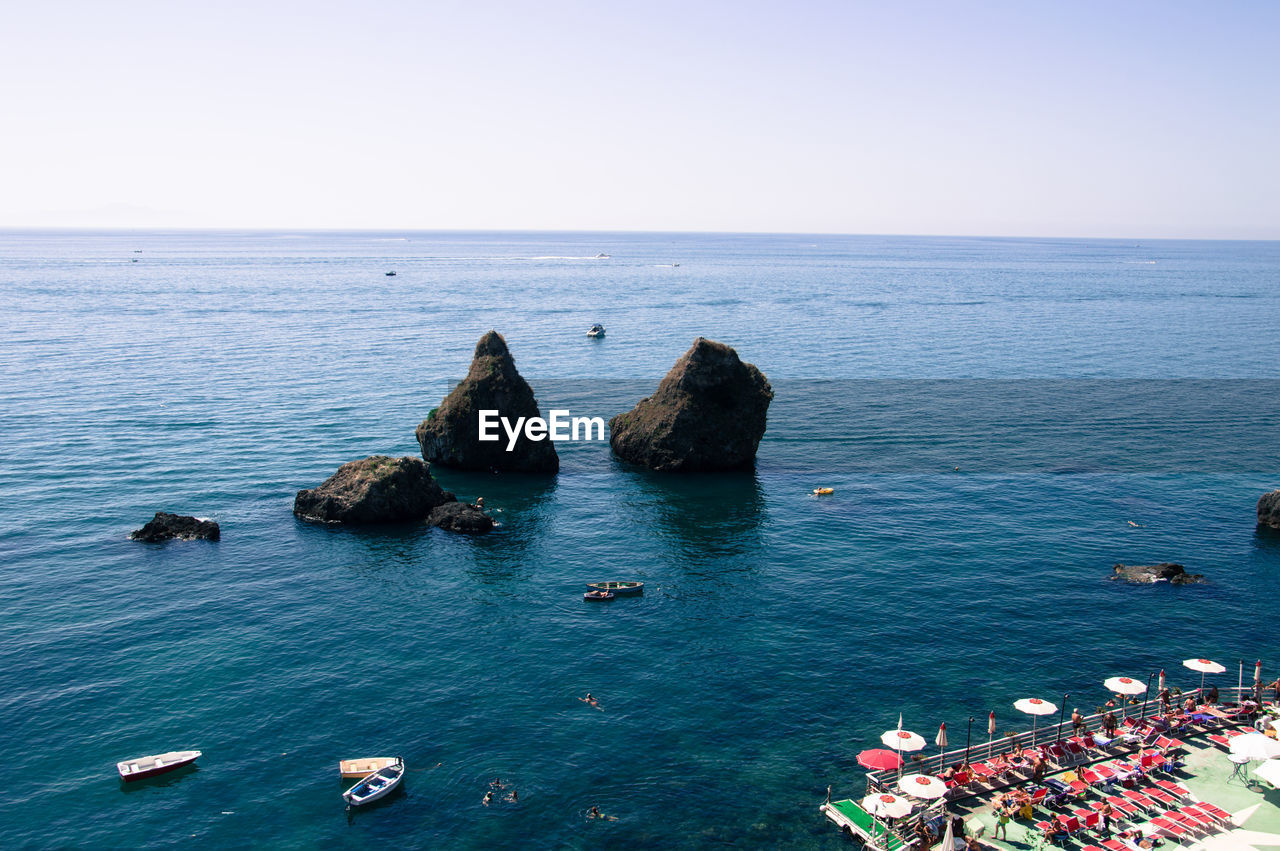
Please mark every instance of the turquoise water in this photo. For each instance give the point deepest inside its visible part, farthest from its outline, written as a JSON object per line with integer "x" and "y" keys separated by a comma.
{"x": 1078, "y": 385}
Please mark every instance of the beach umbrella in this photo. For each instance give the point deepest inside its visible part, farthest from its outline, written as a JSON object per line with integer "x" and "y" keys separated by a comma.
{"x": 1034, "y": 707}
{"x": 903, "y": 740}
{"x": 991, "y": 731}
{"x": 884, "y": 804}
{"x": 1255, "y": 746}
{"x": 1257, "y": 673}
{"x": 1204, "y": 666}
{"x": 941, "y": 741}
{"x": 922, "y": 786}
{"x": 880, "y": 759}
{"x": 1270, "y": 772}
{"x": 1124, "y": 685}
{"x": 1160, "y": 685}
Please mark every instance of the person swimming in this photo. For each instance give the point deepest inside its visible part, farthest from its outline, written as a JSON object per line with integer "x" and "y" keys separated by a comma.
{"x": 488, "y": 798}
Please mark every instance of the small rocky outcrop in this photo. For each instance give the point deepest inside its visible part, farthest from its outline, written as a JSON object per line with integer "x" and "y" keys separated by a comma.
{"x": 1269, "y": 510}
{"x": 378, "y": 489}
{"x": 461, "y": 517}
{"x": 1149, "y": 574}
{"x": 707, "y": 414}
{"x": 450, "y": 435}
{"x": 168, "y": 527}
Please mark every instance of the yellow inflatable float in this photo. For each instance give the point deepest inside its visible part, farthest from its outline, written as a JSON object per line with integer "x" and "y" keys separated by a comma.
{"x": 823, "y": 491}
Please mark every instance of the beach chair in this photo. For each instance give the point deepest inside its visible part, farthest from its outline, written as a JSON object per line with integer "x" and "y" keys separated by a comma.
{"x": 1190, "y": 816}
{"x": 1114, "y": 845}
{"x": 1074, "y": 826}
{"x": 1126, "y": 810}
{"x": 1174, "y": 788}
{"x": 1215, "y": 811}
{"x": 1160, "y": 796}
{"x": 1038, "y": 796}
{"x": 1090, "y": 819}
{"x": 1219, "y": 740}
{"x": 1168, "y": 743}
{"x": 1141, "y": 800}
{"x": 1223, "y": 819}
{"x": 1172, "y": 829}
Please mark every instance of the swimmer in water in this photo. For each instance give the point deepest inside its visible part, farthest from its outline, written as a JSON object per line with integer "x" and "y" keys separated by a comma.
{"x": 590, "y": 701}
{"x": 488, "y": 798}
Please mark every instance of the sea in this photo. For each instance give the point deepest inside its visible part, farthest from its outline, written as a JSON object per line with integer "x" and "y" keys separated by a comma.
{"x": 1002, "y": 421}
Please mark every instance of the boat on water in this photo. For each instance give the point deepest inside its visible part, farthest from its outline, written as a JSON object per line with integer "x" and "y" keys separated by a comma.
{"x": 602, "y": 256}
{"x": 150, "y": 766}
{"x": 377, "y": 785}
{"x": 597, "y": 596}
{"x": 620, "y": 588}
{"x": 356, "y": 768}
{"x": 597, "y": 330}
{"x": 390, "y": 274}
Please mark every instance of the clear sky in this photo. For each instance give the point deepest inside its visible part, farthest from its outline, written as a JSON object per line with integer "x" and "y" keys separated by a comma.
{"x": 1125, "y": 119}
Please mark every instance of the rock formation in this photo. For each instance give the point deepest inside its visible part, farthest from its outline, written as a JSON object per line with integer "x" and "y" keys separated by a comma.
{"x": 707, "y": 414}
{"x": 461, "y": 517}
{"x": 1149, "y": 574}
{"x": 450, "y": 435}
{"x": 1269, "y": 510}
{"x": 378, "y": 489}
{"x": 165, "y": 527}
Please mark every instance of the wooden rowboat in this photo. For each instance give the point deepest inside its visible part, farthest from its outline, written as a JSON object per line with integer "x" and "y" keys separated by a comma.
{"x": 619, "y": 588}
{"x": 355, "y": 768}
{"x": 377, "y": 785}
{"x": 150, "y": 766}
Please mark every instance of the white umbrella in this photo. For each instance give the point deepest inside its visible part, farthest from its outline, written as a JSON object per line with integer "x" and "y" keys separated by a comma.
{"x": 1255, "y": 746}
{"x": 903, "y": 740}
{"x": 1270, "y": 772}
{"x": 949, "y": 839}
{"x": 1034, "y": 706}
{"x": 1125, "y": 685}
{"x": 884, "y": 804}
{"x": 1204, "y": 666}
{"x": 922, "y": 786}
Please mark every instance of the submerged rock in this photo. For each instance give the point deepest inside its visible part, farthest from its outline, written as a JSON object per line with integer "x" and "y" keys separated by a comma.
{"x": 461, "y": 517}
{"x": 1269, "y": 510}
{"x": 378, "y": 489}
{"x": 167, "y": 527}
{"x": 450, "y": 435}
{"x": 1149, "y": 574}
{"x": 707, "y": 414}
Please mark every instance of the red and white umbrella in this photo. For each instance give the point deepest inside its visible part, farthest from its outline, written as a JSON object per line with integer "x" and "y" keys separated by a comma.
{"x": 1160, "y": 684}
{"x": 880, "y": 759}
{"x": 922, "y": 786}
{"x": 1204, "y": 666}
{"x": 1125, "y": 685}
{"x": 941, "y": 739}
{"x": 884, "y": 804}
{"x": 1257, "y": 673}
{"x": 1034, "y": 707}
{"x": 903, "y": 740}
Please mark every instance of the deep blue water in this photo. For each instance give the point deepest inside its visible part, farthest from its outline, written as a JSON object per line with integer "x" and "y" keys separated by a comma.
{"x": 1079, "y": 385}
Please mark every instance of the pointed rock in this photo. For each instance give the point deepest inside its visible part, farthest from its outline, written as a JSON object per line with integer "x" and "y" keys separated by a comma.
{"x": 450, "y": 435}
{"x": 1269, "y": 510}
{"x": 377, "y": 489}
{"x": 707, "y": 414}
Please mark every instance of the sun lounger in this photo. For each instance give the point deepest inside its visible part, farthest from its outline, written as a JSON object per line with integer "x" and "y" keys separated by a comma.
{"x": 1190, "y": 816}
{"x": 1221, "y": 817}
{"x": 1214, "y": 810}
{"x": 1172, "y": 828}
{"x": 1141, "y": 800}
{"x": 1174, "y": 788}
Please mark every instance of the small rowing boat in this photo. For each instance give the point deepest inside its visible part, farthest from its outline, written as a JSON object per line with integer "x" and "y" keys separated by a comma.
{"x": 377, "y": 785}
{"x": 619, "y": 588}
{"x": 591, "y": 596}
{"x": 356, "y": 768}
{"x": 150, "y": 766}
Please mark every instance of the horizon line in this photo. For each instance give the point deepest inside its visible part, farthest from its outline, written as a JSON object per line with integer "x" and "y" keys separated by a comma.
{"x": 155, "y": 229}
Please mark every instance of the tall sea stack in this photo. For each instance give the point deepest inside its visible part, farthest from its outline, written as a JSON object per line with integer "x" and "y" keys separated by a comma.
{"x": 450, "y": 435}
{"x": 708, "y": 414}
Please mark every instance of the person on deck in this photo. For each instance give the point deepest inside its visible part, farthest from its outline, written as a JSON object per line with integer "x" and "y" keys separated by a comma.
{"x": 1077, "y": 721}
{"x": 1109, "y": 723}
{"x": 1212, "y": 696}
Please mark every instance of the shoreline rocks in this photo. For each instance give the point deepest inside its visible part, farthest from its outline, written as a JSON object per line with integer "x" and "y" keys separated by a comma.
{"x": 1269, "y": 510}
{"x": 180, "y": 527}
{"x": 1149, "y": 574}
{"x": 450, "y": 435}
{"x": 708, "y": 414}
{"x": 377, "y": 489}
